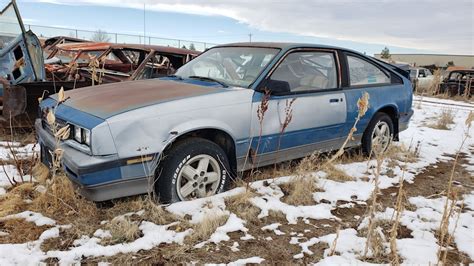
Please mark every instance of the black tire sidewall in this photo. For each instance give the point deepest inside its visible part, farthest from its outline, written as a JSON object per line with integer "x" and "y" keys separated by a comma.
{"x": 367, "y": 136}
{"x": 176, "y": 159}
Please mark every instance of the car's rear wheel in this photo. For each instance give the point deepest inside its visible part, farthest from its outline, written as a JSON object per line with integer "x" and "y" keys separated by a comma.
{"x": 378, "y": 134}
{"x": 193, "y": 168}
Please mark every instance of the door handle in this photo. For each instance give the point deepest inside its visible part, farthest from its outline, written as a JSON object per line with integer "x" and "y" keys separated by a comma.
{"x": 336, "y": 100}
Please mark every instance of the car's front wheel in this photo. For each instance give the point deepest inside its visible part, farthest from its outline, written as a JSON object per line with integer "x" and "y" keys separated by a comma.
{"x": 193, "y": 168}
{"x": 378, "y": 135}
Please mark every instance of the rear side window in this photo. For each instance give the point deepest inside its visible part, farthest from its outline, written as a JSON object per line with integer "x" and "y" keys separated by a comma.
{"x": 362, "y": 72}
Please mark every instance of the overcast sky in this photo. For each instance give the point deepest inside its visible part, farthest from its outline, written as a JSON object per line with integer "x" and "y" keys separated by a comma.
{"x": 402, "y": 25}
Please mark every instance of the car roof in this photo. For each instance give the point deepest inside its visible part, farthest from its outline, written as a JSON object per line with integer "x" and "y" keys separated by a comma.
{"x": 281, "y": 45}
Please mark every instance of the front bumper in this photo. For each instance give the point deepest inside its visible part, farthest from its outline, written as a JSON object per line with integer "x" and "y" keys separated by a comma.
{"x": 98, "y": 178}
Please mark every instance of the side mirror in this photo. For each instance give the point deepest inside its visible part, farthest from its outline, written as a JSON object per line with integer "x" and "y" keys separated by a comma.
{"x": 276, "y": 87}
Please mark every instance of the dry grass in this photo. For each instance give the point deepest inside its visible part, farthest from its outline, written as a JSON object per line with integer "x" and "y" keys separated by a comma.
{"x": 399, "y": 208}
{"x": 308, "y": 164}
{"x": 11, "y": 203}
{"x": 241, "y": 206}
{"x": 434, "y": 87}
{"x": 352, "y": 156}
{"x": 20, "y": 231}
{"x": 41, "y": 173}
{"x": 203, "y": 230}
{"x": 278, "y": 215}
{"x": 451, "y": 197}
{"x": 14, "y": 200}
{"x": 400, "y": 153}
{"x": 336, "y": 174}
{"x": 60, "y": 197}
{"x": 300, "y": 190}
{"x": 376, "y": 232}
{"x": 122, "y": 230}
{"x": 444, "y": 120}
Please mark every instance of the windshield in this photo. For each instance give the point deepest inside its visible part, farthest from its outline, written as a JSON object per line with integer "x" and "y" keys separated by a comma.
{"x": 233, "y": 66}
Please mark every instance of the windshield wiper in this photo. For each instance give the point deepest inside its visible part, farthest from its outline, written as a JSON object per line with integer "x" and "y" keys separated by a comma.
{"x": 175, "y": 76}
{"x": 209, "y": 79}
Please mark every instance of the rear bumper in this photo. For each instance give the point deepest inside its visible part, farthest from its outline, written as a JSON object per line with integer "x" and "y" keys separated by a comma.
{"x": 98, "y": 178}
{"x": 404, "y": 120}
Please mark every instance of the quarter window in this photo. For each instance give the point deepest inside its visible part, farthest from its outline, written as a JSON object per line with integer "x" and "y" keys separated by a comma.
{"x": 308, "y": 71}
{"x": 362, "y": 72}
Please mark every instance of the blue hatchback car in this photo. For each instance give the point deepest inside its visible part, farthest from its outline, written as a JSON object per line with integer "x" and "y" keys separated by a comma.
{"x": 187, "y": 135}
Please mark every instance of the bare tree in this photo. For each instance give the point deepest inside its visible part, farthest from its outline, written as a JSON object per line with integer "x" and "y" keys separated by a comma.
{"x": 100, "y": 36}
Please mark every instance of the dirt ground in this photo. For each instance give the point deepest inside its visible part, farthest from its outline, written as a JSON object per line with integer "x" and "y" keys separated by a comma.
{"x": 275, "y": 249}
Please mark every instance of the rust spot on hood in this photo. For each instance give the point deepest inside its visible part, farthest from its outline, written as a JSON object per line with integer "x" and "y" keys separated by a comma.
{"x": 107, "y": 100}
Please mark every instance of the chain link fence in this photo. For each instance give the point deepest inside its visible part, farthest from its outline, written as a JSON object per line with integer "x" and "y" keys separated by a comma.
{"x": 47, "y": 31}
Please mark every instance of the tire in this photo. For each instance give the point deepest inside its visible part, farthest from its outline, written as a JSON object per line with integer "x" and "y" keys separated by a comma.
{"x": 185, "y": 163}
{"x": 379, "y": 120}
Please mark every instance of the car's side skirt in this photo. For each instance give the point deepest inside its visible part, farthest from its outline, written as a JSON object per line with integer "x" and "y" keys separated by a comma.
{"x": 244, "y": 163}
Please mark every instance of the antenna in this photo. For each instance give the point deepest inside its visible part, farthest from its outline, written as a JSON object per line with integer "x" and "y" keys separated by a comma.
{"x": 250, "y": 37}
{"x": 144, "y": 22}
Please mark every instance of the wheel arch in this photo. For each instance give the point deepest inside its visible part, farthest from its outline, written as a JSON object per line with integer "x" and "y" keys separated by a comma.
{"x": 218, "y": 135}
{"x": 392, "y": 111}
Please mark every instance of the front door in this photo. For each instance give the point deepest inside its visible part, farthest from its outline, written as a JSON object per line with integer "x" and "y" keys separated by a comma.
{"x": 304, "y": 114}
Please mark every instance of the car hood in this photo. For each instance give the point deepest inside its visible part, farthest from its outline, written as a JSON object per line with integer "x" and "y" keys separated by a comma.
{"x": 108, "y": 100}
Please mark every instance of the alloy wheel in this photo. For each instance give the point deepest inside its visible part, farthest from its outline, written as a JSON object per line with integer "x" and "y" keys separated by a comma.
{"x": 198, "y": 178}
{"x": 381, "y": 137}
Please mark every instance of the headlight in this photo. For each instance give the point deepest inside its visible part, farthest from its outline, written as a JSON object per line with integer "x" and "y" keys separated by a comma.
{"x": 77, "y": 134}
{"x": 82, "y": 135}
{"x": 86, "y": 136}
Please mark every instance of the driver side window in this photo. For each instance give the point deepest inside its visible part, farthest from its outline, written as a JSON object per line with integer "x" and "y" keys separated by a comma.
{"x": 307, "y": 71}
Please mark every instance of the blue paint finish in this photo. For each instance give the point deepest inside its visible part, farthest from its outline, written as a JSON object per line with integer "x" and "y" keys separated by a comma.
{"x": 395, "y": 96}
{"x": 110, "y": 174}
{"x": 242, "y": 147}
{"x": 95, "y": 178}
{"x": 26, "y": 71}
{"x": 293, "y": 139}
{"x": 72, "y": 115}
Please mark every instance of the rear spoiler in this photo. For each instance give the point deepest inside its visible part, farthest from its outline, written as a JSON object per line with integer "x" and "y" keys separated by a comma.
{"x": 404, "y": 73}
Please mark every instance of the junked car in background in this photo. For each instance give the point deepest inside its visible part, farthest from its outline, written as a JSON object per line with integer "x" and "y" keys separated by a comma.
{"x": 421, "y": 78}
{"x": 21, "y": 61}
{"x": 115, "y": 62}
{"x": 458, "y": 82}
{"x": 190, "y": 133}
{"x": 25, "y": 76}
{"x": 50, "y": 45}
